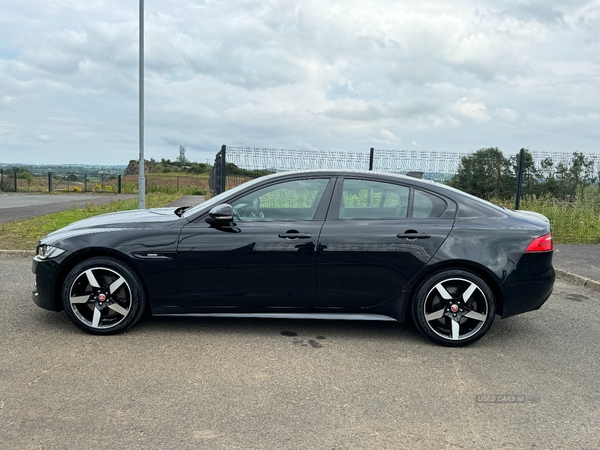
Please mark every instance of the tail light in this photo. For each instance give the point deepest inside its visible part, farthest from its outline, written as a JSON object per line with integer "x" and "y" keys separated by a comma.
{"x": 541, "y": 244}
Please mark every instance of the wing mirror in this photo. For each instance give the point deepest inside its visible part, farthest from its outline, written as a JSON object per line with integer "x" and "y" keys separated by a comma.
{"x": 220, "y": 215}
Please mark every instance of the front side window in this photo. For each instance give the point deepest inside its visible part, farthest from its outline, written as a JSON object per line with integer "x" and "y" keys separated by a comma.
{"x": 364, "y": 199}
{"x": 291, "y": 200}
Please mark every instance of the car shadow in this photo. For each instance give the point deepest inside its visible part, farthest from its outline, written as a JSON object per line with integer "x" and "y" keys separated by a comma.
{"x": 318, "y": 330}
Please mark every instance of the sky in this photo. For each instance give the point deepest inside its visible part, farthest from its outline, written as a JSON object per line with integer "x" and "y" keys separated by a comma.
{"x": 320, "y": 75}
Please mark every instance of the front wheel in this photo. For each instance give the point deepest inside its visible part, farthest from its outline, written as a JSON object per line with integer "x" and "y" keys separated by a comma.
{"x": 103, "y": 296}
{"x": 453, "y": 307}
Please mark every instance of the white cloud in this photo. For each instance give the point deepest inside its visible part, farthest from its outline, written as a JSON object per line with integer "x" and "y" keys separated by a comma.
{"x": 506, "y": 114}
{"x": 316, "y": 74}
{"x": 475, "y": 111}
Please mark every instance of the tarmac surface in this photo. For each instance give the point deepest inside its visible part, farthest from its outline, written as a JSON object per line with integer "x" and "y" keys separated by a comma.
{"x": 270, "y": 383}
{"x": 578, "y": 263}
{"x": 23, "y": 206}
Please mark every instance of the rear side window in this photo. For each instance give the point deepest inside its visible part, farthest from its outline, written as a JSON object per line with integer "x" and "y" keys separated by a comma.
{"x": 364, "y": 199}
{"x": 428, "y": 205}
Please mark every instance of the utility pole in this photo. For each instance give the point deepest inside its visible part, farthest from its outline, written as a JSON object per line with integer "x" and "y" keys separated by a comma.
{"x": 141, "y": 177}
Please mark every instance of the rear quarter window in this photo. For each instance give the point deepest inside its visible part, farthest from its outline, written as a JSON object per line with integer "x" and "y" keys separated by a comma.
{"x": 428, "y": 205}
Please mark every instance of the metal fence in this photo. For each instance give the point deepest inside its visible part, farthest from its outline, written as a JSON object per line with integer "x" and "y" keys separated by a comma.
{"x": 238, "y": 164}
{"x": 54, "y": 182}
{"x": 73, "y": 182}
{"x": 166, "y": 183}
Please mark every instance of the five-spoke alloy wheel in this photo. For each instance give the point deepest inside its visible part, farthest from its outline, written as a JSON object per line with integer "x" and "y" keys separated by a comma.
{"x": 454, "y": 307}
{"x": 103, "y": 296}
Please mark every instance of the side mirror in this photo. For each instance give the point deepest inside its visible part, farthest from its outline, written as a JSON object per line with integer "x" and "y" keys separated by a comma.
{"x": 220, "y": 215}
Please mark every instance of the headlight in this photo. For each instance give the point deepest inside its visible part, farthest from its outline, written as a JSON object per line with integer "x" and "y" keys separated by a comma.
{"x": 48, "y": 252}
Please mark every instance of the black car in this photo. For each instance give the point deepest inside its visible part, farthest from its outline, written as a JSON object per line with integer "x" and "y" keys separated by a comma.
{"x": 310, "y": 244}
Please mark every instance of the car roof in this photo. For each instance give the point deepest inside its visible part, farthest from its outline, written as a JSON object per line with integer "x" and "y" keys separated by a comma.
{"x": 346, "y": 172}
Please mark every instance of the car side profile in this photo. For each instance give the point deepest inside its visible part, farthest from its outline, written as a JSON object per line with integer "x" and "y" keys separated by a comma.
{"x": 309, "y": 244}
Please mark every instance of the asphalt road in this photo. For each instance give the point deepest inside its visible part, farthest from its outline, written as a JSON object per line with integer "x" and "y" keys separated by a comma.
{"x": 277, "y": 384}
{"x": 18, "y": 206}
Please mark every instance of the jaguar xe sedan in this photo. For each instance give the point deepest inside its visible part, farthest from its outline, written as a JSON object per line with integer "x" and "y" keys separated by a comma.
{"x": 311, "y": 244}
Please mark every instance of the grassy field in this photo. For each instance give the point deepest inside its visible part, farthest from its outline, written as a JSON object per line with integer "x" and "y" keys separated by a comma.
{"x": 575, "y": 222}
{"x": 25, "y": 234}
{"x": 168, "y": 183}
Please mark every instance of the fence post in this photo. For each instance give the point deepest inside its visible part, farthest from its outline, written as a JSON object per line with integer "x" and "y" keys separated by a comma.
{"x": 49, "y": 182}
{"x": 223, "y": 169}
{"x": 519, "y": 179}
{"x": 371, "y": 155}
{"x": 1, "y": 179}
{"x": 85, "y": 182}
{"x": 119, "y": 185}
{"x": 15, "y": 175}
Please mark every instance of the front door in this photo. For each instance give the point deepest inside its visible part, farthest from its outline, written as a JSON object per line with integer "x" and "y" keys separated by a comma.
{"x": 267, "y": 259}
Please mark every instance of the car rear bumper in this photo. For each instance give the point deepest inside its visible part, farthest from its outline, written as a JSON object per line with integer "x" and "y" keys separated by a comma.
{"x": 528, "y": 286}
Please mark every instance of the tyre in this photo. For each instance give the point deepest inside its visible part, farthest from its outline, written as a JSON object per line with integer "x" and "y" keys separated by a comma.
{"x": 453, "y": 307}
{"x": 103, "y": 296}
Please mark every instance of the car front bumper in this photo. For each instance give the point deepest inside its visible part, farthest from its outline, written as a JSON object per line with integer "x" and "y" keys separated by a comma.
{"x": 45, "y": 277}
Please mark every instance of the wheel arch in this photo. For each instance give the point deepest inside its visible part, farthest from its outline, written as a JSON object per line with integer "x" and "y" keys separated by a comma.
{"x": 82, "y": 255}
{"x": 482, "y": 272}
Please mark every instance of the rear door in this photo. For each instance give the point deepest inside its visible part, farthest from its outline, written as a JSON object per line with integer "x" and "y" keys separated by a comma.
{"x": 377, "y": 237}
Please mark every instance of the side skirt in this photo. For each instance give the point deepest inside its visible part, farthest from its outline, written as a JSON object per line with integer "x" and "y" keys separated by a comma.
{"x": 322, "y": 316}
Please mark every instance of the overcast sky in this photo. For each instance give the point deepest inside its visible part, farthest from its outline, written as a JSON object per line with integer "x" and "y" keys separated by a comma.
{"x": 326, "y": 75}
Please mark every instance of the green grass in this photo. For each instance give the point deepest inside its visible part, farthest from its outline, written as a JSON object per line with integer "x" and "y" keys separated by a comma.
{"x": 574, "y": 222}
{"x": 25, "y": 234}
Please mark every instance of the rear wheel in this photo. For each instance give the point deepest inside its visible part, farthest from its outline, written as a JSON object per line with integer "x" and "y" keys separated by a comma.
{"x": 454, "y": 307}
{"x": 103, "y": 296}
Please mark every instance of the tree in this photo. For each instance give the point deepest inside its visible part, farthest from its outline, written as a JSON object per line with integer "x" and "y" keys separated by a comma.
{"x": 485, "y": 174}
{"x": 570, "y": 178}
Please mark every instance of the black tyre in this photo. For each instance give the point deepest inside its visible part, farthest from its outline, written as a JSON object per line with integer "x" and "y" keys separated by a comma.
{"x": 453, "y": 307}
{"x": 103, "y": 296}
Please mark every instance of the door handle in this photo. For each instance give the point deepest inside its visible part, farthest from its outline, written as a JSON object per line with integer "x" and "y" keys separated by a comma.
{"x": 414, "y": 235}
{"x": 294, "y": 235}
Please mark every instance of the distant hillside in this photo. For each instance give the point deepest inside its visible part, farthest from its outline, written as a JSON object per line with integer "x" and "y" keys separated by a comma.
{"x": 45, "y": 168}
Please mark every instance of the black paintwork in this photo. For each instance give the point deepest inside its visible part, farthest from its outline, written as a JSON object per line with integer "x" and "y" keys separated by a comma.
{"x": 189, "y": 265}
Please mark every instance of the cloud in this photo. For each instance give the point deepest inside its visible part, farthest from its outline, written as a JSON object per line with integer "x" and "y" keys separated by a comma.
{"x": 315, "y": 74}
{"x": 506, "y": 114}
{"x": 527, "y": 12}
{"x": 475, "y": 111}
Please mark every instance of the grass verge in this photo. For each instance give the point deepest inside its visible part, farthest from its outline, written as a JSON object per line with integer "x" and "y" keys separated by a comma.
{"x": 25, "y": 234}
